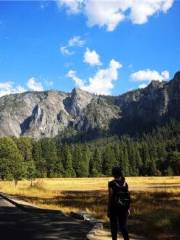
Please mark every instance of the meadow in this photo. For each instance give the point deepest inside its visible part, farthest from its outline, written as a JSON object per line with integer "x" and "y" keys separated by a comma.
{"x": 155, "y": 208}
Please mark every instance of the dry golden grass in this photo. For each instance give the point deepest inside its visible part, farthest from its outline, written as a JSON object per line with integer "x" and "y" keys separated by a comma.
{"x": 155, "y": 209}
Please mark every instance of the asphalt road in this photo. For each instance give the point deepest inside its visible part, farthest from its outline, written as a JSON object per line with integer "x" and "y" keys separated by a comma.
{"x": 38, "y": 224}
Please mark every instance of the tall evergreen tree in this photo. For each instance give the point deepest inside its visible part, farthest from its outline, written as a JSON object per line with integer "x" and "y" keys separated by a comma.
{"x": 67, "y": 162}
{"x": 77, "y": 157}
{"x": 95, "y": 165}
{"x": 125, "y": 163}
{"x": 109, "y": 160}
{"x": 11, "y": 160}
{"x": 39, "y": 161}
{"x": 26, "y": 148}
{"x": 84, "y": 164}
{"x": 50, "y": 155}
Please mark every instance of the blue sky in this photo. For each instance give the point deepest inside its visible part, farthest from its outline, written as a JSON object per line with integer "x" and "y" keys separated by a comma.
{"x": 106, "y": 47}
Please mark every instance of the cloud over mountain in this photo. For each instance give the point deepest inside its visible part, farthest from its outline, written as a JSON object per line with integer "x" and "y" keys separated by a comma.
{"x": 34, "y": 85}
{"x": 103, "y": 80}
{"x": 10, "y": 88}
{"x": 148, "y": 75}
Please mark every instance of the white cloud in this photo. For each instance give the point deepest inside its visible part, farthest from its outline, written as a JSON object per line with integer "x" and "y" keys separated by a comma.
{"x": 142, "y": 10}
{"x": 65, "y": 51}
{"x": 19, "y": 89}
{"x": 92, "y": 57}
{"x": 103, "y": 13}
{"x": 149, "y": 75}
{"x": 34, "y": 85}
{"x": 106, "y": 13}
{"x": 72, "y": 6}
{"x": 75, "y": 41}
{"x": 143, "y": 85}
{"x": 101, "y": 82}
{"x": 72, "y": 74}
{"x": 5, "y": 85}
{"x": 9, "y": 88}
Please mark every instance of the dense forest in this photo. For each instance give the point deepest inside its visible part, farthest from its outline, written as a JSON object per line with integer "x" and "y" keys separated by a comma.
{"x": 154, "y": 153}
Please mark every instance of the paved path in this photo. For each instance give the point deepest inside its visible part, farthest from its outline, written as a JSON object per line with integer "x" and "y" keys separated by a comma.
{"x": 38, "y": 224}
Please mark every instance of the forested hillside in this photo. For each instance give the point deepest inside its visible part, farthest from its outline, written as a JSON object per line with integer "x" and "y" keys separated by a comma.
{"x": 155, "y": 153}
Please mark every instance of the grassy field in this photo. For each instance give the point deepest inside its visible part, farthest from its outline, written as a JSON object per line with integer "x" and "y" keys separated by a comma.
{"x": 155, "y": 209}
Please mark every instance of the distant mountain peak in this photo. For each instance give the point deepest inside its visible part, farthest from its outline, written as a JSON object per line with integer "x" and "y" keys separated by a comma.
{"x": 78, "y": 91}
{"x": 177, "y": 76}
{"x": 48, "y": 113}
{"x": 156, "y": 84}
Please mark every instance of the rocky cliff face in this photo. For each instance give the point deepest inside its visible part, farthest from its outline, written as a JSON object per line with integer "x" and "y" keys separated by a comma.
{"x": 157, "y": 102}
{"x": 46, "y": 114}
{"x": 146, "y": 105}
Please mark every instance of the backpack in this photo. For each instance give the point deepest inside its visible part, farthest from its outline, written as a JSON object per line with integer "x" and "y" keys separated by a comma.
{"x": 121, "y": 196}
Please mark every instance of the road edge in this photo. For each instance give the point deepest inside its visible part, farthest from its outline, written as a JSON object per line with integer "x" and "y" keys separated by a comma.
{"x": 25, "y": 206}
{"x": 97, "y": 224}
{"x": 18, "y": 203}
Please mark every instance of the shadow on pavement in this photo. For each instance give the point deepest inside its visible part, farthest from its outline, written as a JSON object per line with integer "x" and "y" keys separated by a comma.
{"x": 39, "y": 224}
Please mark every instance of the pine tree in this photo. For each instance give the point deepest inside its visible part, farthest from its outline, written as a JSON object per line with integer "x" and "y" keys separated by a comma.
{"x": 84, "y": 164}
{"x": 117, "y": 154}
{"x": 92, "y": 168}
{"x": 95, "y": 165}
{"x": 145, "y": 158}
{"x": 39, "y": 161}
{"x": 109, "y": 160}
{"x": 138, "y": 161}
{"x": 125, "y": 163}
{"x": 49, "y": 150}
{"x": 77, "y": 157}
{"x": 11, "y": 160}
{"x": 131, "y": 155}
{"x": 30, "y": 171}
{"x": 25, "y": 146}
{"x": 67, "y": 162}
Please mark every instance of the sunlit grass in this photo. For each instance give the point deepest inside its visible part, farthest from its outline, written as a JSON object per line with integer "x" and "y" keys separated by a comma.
{"x": 155, "y": 206}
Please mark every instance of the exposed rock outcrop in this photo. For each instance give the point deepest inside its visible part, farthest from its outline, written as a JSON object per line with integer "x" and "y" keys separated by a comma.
{"x": 48, "y": 113}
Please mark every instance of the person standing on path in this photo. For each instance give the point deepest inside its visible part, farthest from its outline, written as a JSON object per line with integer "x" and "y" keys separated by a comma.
{"x": 118, "y": 204}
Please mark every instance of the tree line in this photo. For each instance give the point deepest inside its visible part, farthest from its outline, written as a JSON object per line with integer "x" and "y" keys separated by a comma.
{"x": 155, "y": 153}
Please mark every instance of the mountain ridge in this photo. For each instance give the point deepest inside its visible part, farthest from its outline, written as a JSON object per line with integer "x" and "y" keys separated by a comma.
{"x": 49, "y": 113}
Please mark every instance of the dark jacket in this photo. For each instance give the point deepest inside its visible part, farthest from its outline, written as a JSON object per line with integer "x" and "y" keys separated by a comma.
{"x": 115, "y": 186}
